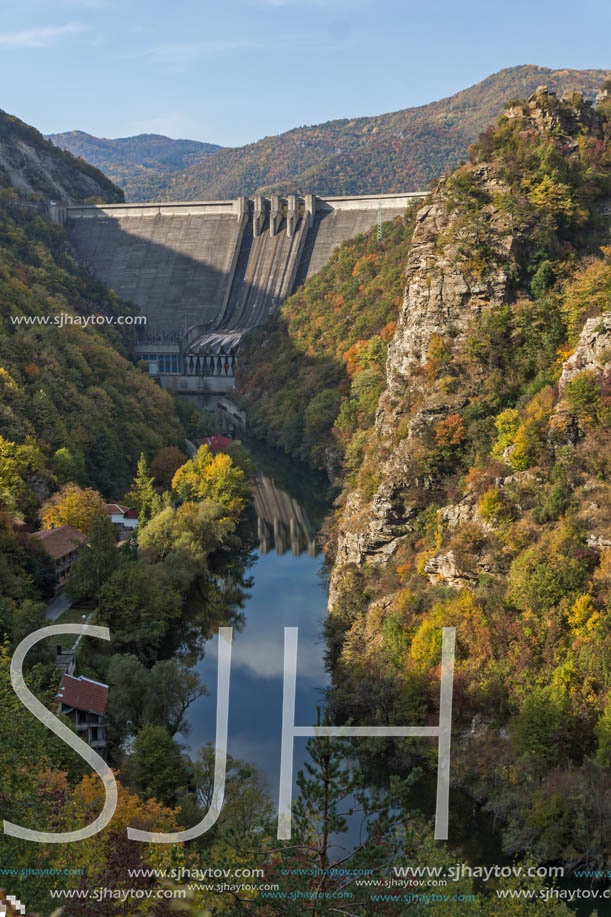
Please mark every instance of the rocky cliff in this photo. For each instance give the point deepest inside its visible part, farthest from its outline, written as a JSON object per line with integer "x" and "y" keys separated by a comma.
{"x": 483, "y": 499}
{"x": 33, "y": 166}
{"x": 466, "y": 261}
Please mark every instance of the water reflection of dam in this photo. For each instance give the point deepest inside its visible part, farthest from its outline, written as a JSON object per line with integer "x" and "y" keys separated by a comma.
{"x": 281, "y": 522}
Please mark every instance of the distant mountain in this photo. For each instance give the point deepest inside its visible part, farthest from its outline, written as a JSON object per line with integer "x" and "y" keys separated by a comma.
{"x": 32, "y": 165}
{"x": 400, "y": 151}
{"x": 138, "y": 164}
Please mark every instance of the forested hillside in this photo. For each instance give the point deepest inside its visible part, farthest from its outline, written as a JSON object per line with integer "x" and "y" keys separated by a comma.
{"x": 136, "y": 164}
{"x": 312, "y": 376}
{"x": 70, "y": 388}
{"x": 400, "y": 151}
{"x": 78, "y": 421}
{"x": 73, "y": 406}
{"x": 483, "y": 498}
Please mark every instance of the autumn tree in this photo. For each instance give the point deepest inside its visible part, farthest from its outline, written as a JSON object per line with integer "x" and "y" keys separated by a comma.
{"x": 73, "y": 506}
{"x": 109, "y": 859}
{"x": 165, "y": 465}
{"x": 215, "y": 477}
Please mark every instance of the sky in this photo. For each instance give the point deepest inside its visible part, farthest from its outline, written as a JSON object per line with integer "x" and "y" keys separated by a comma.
{"x": 233, "y": 71}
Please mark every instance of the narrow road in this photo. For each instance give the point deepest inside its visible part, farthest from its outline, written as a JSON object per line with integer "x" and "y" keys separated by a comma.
{"x": 58, "y": 606}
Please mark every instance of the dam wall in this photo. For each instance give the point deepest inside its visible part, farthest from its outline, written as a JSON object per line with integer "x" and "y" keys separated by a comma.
{"x": 220, "y": 265}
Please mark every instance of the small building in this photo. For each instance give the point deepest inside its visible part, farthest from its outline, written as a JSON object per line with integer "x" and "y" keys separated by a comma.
{"x": 122, "y": 516}
{"x": 64, "y": 545}
{"x": 84, "y": 702}
{"x": 65, "y": 660}
{"x": 216, "y": 443}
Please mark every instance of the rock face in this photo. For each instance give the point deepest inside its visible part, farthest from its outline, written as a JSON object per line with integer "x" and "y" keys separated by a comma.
{"x": 543, "y": 112}
{"x": 32, "y": 165}
{"x": 448, "y": 291}
{"x": 444, "y": 296}
{"x": 592, "y": 353}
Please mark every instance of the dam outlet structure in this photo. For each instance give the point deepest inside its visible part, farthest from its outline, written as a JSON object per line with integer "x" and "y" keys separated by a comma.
{"x": 205, "y": 272}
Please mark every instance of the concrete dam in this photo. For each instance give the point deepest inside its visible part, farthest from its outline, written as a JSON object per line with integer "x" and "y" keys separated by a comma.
{"x": 205, "y": 272}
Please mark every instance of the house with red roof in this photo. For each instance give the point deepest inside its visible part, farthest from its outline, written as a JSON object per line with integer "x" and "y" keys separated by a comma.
{"x": 64, "y": 545}
{"x": 217, "y": 443}
{"x": 122, "y": 516}
{"x": 84, "y": 702}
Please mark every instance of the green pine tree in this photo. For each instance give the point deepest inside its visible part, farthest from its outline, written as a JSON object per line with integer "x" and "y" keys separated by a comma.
{"x": 142, "y": 494}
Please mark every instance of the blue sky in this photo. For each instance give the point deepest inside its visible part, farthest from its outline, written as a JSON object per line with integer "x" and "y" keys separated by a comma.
{"x": 233, "y": 71}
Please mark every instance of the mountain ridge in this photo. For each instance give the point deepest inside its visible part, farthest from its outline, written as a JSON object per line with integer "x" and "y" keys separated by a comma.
{"x": 396, "y": 151}
{"x": 132, "y": 161}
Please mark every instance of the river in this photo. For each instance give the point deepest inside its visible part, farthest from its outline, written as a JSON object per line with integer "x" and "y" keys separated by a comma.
{"x": 289, "y": 590}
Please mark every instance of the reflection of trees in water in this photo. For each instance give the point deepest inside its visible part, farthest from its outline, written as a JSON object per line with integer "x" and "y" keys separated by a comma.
{"x": 215, "y": 600}
{"x": 217, "y": 595}
{"x": 281, "y": 521}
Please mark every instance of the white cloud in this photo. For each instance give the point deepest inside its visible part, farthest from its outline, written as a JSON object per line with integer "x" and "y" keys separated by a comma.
{"x": 180, "y": 55}
{"x": 39, "y": 38}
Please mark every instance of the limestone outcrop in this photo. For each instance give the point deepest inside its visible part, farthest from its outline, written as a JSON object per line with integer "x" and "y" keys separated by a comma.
{"x": 592, "y": 352}
{"x": 444, "y": 295}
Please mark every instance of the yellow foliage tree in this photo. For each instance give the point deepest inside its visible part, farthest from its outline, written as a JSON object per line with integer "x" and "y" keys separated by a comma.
{"x": 212, "y": 477}
{"x": 105, "y": 858}
{"x": 73, "y": 506}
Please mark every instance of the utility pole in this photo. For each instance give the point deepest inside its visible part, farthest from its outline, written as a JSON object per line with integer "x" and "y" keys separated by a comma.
{"x": 379, "y": 220}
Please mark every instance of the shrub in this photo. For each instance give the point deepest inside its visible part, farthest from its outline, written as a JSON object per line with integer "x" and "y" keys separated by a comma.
{"x": 494, "y": 508}
{"x": 554, "y": 504}
{"x": 539, "y": 725}
{"x": 555, "y": 568}
{"x": 583, "y": 397}
{"x": 543, "y": 279}
{"x": 507, "y": 424}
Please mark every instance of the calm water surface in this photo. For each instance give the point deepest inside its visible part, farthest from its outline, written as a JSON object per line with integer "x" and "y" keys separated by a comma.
{"x": 288, "y": 591}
